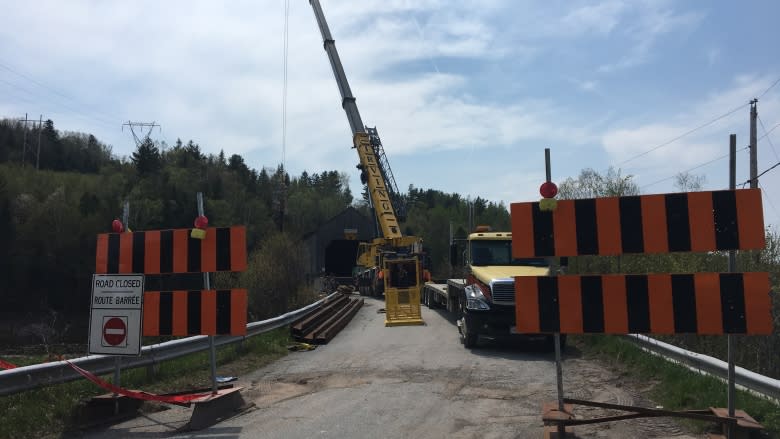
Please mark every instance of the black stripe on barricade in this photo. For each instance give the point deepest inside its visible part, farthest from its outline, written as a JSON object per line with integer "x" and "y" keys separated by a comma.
{"x": 166, "y": 251}
{"x": 139, "y": 252}
{"x": 223, "y": 312}
{"x": 113, "y": 253}
{"x": 549, "y": 313}
{"x": 726, "y": 227}
{"x": 193, "y": 254}
{"x": 677, "y": 223}
{"x": 684, "y": 304}
{"x": 732, "y": 303}
{"x": 631, "y": 234}
{"x": 592, "y": 304}
{"x": 193, "y": 312}
{"x": 638, "y": 303}
{"x": 587, "y": 227}
{"x": 544, "y": 235}
{"x": 223, "y": 249}
{"x": 166, "y": 313}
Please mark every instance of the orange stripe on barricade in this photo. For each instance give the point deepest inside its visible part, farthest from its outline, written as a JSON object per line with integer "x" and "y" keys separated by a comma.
{"x": 208, "y": 316}
{"x": 152, "y": 252}
{"x": 615, "y": 304}
{"x": 750, "y": 219}
{"x": 708, "y": 303}
{"x": 522, "y": 229}
{"x": 527, "y": 304}
{"x": 180, "y": 237}
{"x": 608, "y": 222}
{"x": 171, "y": 399}
{"x": 238, "y": 248}
{"x": 702, "y": 225}
{"x": 758, "y": 303}
{"x": 101, "y": 254}
{"x": 208, "y": 261}
{"x": 125, "y": 253}
{"x": 570, "y": 304}
{"x": 565, "y": 228}
{"x": 151, "y": 311}
{"x": 654, "y": 230}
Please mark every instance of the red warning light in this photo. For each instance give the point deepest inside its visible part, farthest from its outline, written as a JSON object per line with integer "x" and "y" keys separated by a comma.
{"x": 548, "y": 189}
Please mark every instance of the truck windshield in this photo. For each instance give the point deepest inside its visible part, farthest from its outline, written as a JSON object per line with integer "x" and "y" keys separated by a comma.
{"x": 498, "y": 252}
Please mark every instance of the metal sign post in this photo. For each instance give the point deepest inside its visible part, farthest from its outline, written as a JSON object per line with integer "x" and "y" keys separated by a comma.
{"x": 207, "y": 286}
{"x": 557, "y": 336}
{"x": 732, "y": 269}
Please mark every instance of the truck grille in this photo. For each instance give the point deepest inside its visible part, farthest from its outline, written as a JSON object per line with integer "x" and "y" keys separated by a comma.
{"x": 504, "y": 292}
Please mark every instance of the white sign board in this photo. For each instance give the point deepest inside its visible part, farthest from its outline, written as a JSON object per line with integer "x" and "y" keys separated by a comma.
{"x": 115, "y": 315}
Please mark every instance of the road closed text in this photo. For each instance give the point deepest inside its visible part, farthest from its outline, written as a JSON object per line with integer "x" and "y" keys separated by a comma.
{"x": 117, "y": 283}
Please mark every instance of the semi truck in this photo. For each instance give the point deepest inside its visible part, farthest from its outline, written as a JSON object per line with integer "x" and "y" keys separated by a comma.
{"x": 483, "y": 300}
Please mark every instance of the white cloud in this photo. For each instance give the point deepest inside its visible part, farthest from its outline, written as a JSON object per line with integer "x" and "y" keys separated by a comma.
{"x": 649, "y": 22}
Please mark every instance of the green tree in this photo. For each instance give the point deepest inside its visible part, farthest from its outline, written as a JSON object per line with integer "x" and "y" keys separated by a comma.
{"x": 146, "y": 158}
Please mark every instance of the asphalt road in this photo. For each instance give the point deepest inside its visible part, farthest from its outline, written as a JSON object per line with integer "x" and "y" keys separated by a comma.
{"x": 412, "y": 381}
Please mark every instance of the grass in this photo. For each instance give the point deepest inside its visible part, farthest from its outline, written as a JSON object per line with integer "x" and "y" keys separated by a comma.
{"x": 47, "y": 412}
{"x": 677, "y": 387}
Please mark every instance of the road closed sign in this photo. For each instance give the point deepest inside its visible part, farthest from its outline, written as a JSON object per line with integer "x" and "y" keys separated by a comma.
{"x": 115, "y": 315}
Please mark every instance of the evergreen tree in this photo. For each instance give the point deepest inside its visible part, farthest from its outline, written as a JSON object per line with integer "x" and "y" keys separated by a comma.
{"x": 146, "y": 158}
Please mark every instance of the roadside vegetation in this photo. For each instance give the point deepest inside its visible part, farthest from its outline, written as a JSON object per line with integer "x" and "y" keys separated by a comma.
{"x": 675, "y": 387}
{"x": 50, "y": 411}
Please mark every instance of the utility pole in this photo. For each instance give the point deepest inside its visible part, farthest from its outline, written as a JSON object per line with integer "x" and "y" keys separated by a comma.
{"x": 38, "y": 155}
{"x": 753, "y": 145}
{"x": 24, "y": 122}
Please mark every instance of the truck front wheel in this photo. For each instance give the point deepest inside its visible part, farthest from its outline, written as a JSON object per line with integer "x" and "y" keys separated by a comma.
{"x": 468, "y": 338}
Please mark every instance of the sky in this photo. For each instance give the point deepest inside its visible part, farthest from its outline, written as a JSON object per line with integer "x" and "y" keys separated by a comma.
{"x": 465, "y": 94}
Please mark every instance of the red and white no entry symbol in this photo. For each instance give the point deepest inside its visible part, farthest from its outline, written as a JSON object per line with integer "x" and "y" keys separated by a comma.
{"x": 115, "y": 330}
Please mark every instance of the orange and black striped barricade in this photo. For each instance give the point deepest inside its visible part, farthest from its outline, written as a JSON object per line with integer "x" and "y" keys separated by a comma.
{"x": 162, "y": 252}
{"x": 698, "y": 303}
{"x": 172, "y": 251}
{"x": 679, "y": 222}
{"x": 199, "y": 312}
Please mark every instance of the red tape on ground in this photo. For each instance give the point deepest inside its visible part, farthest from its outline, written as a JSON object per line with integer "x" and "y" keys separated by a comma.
{"x": 7, "y": 365}
{"x": 172, "y": 399}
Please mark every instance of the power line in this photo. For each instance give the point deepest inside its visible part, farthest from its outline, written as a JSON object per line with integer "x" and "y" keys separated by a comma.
{"x": 767, "y": 170}
{"x": 284, "y": 86}
{"x": 88, "y": 115}
{"x": 769, "y": 200}
{"x": 769, "y": 88}
{"x": 684, "y": 134}
{"x": 769, "y": 139}
{"x": 766, "y": 133}
{"x": 691, "y": 169}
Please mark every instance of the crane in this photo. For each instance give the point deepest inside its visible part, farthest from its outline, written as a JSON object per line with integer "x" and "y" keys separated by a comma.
{"x": 391, "y": 250}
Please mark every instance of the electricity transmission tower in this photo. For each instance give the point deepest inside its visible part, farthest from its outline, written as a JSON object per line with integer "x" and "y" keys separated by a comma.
{"x": 142, "y": 127}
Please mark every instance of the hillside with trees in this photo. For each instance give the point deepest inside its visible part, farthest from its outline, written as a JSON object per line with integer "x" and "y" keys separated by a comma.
{"x": 51, "y": 211}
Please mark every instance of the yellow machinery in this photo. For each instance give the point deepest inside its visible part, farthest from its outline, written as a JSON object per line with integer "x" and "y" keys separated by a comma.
{"x": 380, "y": 260}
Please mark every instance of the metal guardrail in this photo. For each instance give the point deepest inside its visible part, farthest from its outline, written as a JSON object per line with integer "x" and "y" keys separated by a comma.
{"x": 760, "y": 384}
{"x": 31, "y": 377}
